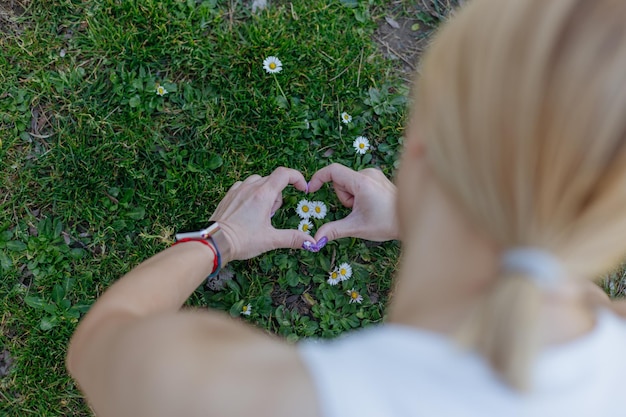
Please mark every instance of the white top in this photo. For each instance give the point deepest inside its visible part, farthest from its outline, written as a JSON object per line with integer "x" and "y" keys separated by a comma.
{"x": 391, "y": 370}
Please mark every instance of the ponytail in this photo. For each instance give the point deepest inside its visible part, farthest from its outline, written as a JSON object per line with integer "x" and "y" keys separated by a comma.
{"x": 505, "y": 328}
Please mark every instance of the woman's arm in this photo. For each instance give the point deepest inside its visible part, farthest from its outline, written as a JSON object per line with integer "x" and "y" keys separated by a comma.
{"x": 134, "y": 354}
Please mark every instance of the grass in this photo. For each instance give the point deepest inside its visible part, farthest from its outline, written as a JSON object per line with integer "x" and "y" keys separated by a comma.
{"x": 98, "y": 172}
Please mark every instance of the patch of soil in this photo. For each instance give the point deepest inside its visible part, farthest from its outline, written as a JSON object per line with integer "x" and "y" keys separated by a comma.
{"x": 219, "y": 282}
{"x": 401, "y": 36}
{"x": 293, "y": 302}
{"x": 10, "y": 10}
{"x": 398, "y": 40}
{"x": 5, "y": 363}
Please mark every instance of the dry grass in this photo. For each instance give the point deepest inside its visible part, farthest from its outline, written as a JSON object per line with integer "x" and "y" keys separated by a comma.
{"x": 441, "y": 9}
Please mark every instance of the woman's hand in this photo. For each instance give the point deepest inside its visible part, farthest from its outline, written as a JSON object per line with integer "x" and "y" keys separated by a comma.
{"x": 245, "y": 212}
{"x": 372, "y": 198}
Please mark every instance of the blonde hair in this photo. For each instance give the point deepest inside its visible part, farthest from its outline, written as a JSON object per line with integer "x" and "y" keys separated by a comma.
{"x": 521, "y": 105}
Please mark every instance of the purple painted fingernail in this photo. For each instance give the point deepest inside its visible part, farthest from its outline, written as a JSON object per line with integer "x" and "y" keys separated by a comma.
{"x": 307, "y": 188}
{"x": 307, "y": 246}
{"x": 272, "y": 215}
{"x": 322, "y": 242}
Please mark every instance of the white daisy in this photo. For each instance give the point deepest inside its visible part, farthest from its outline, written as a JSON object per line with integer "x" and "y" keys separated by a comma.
{"x": 319, "y": 209}
{"x": 334, "y": 278}
{"x": 304, "y": 209}
{"x": 361, "y": 144}
{"x": 345, "y": 271}
{"x": 345, "y": 118}
{"x": 272, "y": 65}
{"x": 160, "y": 90}
{"x": 305, "y": 226}
{"x": 246, "y": 310}
{"x": 355, "y": 297}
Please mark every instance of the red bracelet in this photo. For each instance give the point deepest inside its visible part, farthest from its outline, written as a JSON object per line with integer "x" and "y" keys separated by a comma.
{"x": 206, "y": 242}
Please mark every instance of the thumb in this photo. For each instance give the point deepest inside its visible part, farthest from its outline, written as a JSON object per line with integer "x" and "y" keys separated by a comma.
{"x": 285, "y": 238}
{"x": 337, "y": 229}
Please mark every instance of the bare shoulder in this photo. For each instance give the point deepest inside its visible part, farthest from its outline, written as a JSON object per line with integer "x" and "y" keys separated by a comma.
{"x": 202, "y": 364}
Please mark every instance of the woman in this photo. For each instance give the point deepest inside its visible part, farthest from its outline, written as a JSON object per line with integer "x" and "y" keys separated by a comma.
{"x": 511, "y": 197}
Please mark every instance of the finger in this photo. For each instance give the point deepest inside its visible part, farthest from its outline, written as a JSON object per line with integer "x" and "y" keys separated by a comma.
{"x": 281, "y": 177}
{"x": 252, "y": 178}
{"x": 294, "y": 239}
{"x": 235, "y": 186}
{"x": 374, "y": 173}
{"x": 336, "y": 230}
{"x": 277, "y": 203}
{"x": 338, "y": 174}
{"x": 347, "y": 199}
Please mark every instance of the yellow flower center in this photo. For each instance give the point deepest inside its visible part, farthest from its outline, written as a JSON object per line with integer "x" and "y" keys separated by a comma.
{"x": 354, "y": 295}
{"x": 245, "y": 308}
{"x": 361, "y": 145}
{"x": 343, "y": 271}
{"x": 305, "y": 227}
{"x": 272, "y": 65}
{"x": 318, "y": 209}
{"x": 345, "y": 116}
{"x": 333, "y": 275}
{"x": 305, "y": 209}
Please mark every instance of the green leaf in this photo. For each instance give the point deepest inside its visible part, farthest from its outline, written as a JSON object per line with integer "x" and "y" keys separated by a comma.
{"x": 415, "y": 27}
{"x": 118, "y": 225}
{"x": 136, "y": 213}
{"x": 324, "y": 263}
{"x": 50, "y": 308}
{"x": 73, "y": 313}
{"x": 375, "y": 96}
{"x": 5, "y": 261}
{"x": 193, "y": 168}
{"x": 282, "y": 102}
{"x": 6, "y": 236}
{"x": 361, "y": 15}
{"x": 58, "y": 293}
{"x": 293, "y": 278}
{"x": 135, "y": 101}
{"x": 82, "y": 307}
{"x": 68, "y": 284}
{"x": 383, "y": 147}
{"x": 58, "y": 228}
{"x": 16, "y": 245}
{"x": 350, "y": 3}
{"x": 235, "y": 310}
{"x": 48, "y": 323}
{"x": 211, "y": 4}
{"x": 214, "y": 162}
{"x": 170, "y": 87}
{"x": 77, "y": 253}
{"x": 234, "y": 286}
{"x": 35, "y": 302}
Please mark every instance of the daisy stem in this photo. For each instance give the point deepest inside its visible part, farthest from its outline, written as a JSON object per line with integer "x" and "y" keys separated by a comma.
{"x": 281, "y": 90}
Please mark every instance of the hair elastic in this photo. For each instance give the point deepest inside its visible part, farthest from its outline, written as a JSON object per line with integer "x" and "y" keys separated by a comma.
{"x": 539, "y": 265}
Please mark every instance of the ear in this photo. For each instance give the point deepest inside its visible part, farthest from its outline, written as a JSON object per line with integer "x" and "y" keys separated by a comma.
{"x": 414, "y": 147}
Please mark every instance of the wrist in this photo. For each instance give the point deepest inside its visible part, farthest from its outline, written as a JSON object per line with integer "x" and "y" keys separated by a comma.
{"x": 222, "y": 245}
{"x": 207, "y": 243}
{"x": 214, "y": 236}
